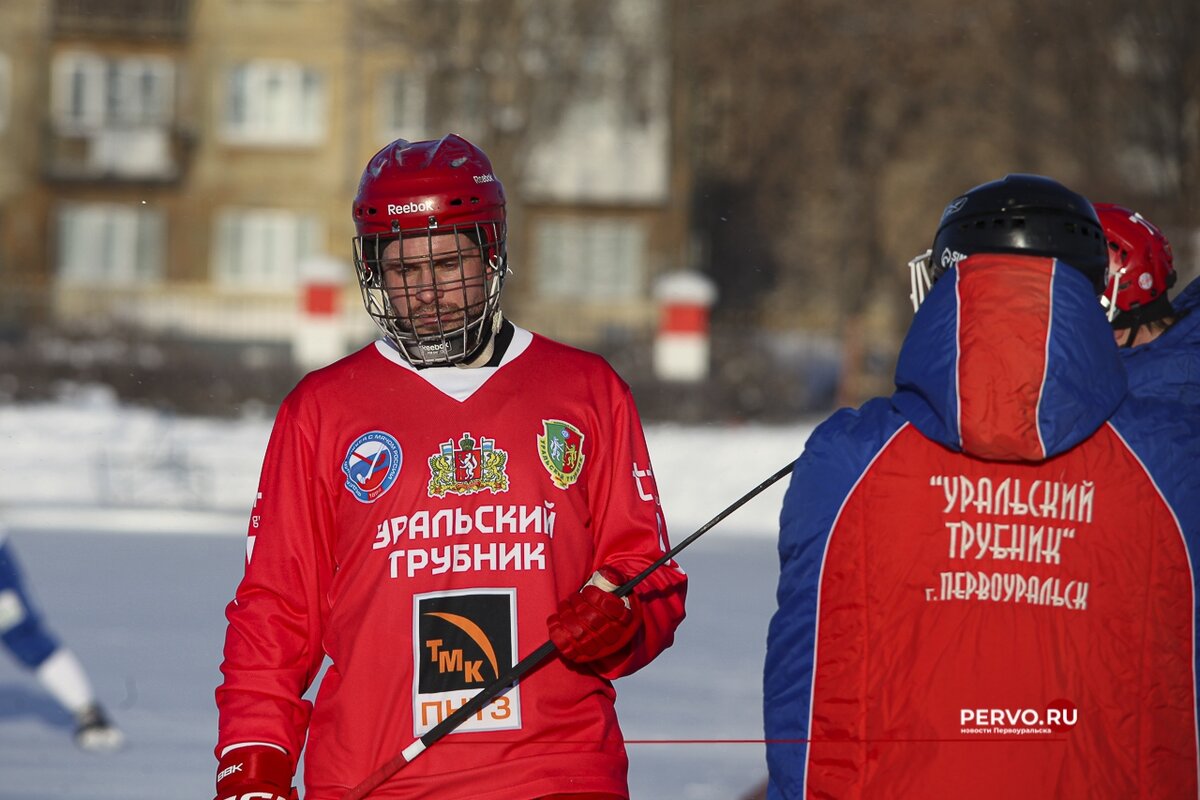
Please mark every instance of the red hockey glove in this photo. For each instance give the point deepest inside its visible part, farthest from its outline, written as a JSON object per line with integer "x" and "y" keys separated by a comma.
{"x": 255, "y": 772}
{"x": 595, "y": 623}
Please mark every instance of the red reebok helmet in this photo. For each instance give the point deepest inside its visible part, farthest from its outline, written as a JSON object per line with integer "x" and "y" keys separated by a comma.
{"x": 412, "y": 192}
{"x": 1141, "y": 267}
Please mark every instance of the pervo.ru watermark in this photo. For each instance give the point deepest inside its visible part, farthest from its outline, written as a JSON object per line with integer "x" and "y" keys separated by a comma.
{"x": 1056, "y": 718}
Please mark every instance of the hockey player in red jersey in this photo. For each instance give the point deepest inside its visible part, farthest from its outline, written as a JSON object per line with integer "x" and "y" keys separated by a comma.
{"x": 429, "y": 509}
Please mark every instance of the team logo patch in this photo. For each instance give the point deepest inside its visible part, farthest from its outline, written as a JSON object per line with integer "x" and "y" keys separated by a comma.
{"x": 561, "y": 447}
{"x": 371, "y": 465}
{"x": 464, "y": 640}
{"x": 468, "y": 466}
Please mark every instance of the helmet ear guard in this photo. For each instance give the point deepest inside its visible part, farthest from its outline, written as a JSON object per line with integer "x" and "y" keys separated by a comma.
{"x": 367, "y": 257}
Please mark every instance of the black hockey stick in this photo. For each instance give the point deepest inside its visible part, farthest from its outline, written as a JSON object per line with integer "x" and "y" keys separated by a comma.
{"x": 513, "y": 673}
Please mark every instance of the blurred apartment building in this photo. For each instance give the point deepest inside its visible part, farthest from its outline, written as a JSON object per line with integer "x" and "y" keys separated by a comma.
{"x": 185, "y": 168}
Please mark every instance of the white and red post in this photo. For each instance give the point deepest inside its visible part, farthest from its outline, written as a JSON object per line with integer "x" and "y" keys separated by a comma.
{"x": 319, "y": 338}
{"x": 681, "y": 346}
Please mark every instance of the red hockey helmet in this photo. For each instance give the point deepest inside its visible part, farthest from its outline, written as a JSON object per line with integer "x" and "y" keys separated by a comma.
{"x": 430, "y": 250}
{"x": 1141, "y": 267}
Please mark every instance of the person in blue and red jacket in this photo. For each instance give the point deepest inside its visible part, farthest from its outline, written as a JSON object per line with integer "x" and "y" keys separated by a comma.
{"x": 987, "y": 583}
{"x": 1159, "y": 339}
{"x": 432, "y": 508}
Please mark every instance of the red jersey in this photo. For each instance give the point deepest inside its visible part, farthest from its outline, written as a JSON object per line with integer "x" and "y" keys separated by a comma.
{"x": 418, "y": 528}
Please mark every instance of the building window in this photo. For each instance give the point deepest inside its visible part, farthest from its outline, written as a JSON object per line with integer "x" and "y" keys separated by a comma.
{"x": 402, "y": 107}
{"x": 274, "y": 102}
{"x": 142, "y": 91}
{"x": 78, "y": 99}
{"x": 110, "y": 245}
{"x": 261, "y": 248}
{"x": 5, "y": 90}
{"x": 90, "y": 91}
{"x": 592, "y": 259}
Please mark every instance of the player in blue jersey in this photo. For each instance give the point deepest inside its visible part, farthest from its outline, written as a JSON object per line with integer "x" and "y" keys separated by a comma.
{"x": 57, "y": 668}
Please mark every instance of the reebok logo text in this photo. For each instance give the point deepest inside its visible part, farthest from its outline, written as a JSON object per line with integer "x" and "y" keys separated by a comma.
{"x": 410, "y": 208}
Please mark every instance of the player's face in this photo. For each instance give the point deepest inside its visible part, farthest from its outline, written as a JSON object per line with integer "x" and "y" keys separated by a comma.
{"x": 435, "y": 283}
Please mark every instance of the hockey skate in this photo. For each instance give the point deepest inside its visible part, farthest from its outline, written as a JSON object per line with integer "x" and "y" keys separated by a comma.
{"x": 94, "y": 732}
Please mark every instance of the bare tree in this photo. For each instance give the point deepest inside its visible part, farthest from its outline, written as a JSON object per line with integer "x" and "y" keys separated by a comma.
{"x": 834, "y": 135}
{"x": 508, "y": 70}
{"x": 1153, "y": 105}
{"x": 823, "y": 139}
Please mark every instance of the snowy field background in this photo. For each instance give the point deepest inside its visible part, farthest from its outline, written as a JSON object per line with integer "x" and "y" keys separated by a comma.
{"x": 129, "y": 525}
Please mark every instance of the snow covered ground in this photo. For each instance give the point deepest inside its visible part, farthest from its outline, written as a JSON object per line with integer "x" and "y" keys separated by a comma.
{"x": 80, "y": 476}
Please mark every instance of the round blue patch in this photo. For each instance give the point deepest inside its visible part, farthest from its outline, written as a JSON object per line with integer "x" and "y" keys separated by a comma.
{"x": 371, "y": 465}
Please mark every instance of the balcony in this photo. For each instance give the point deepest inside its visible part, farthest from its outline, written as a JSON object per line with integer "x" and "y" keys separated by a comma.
{"x": 147, "y": 154}
{"x": 121, "y": 19}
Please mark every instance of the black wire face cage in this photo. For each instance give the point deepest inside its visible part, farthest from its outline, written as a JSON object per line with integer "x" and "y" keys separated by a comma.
{"x": 434, "y": 292}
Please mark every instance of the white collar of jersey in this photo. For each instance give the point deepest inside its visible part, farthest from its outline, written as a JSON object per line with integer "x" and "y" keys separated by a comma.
{"x": 457, "y": 382}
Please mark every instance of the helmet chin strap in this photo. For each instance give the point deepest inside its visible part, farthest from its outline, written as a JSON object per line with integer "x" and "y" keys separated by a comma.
{"x": 488, "y": 347}
{"x": 1158, "y": 310}
{"x": 485, "y": 353}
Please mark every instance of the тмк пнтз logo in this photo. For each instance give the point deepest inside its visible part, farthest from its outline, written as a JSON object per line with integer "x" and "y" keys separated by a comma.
{"x": 464, "y": 640}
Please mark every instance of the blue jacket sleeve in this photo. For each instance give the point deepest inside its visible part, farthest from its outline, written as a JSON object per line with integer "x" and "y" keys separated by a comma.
{"x": 835, "y": 457}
